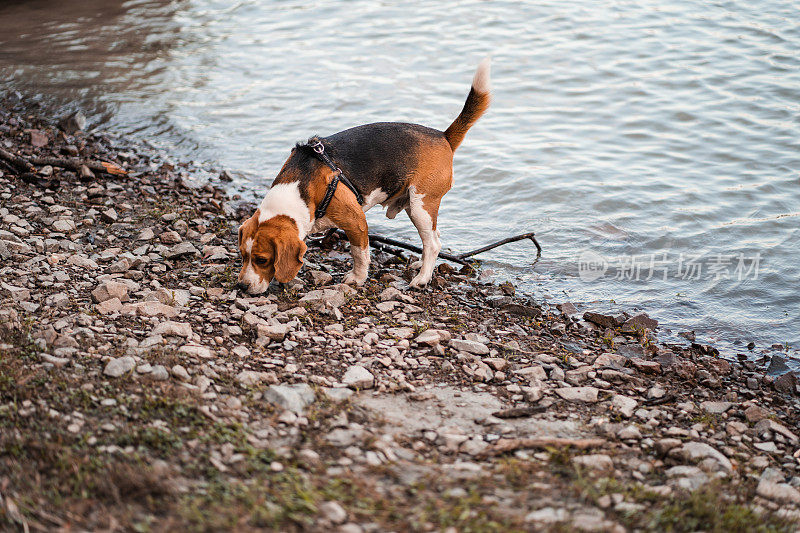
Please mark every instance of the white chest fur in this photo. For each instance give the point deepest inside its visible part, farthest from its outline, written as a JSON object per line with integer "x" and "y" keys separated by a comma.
{"x": 284, "y": 199}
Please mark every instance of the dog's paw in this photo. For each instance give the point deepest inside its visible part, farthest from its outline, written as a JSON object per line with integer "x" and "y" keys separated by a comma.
{"x": 352, "y": 279}
{"x": 416, "y": 265}
{"x": 419, "y": 281}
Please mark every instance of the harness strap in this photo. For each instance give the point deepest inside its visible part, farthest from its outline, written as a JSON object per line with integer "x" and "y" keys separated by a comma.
{"x": 322, "y": 207}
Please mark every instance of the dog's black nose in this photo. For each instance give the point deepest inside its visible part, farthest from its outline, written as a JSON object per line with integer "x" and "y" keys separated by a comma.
{"x": 242, "y": 286}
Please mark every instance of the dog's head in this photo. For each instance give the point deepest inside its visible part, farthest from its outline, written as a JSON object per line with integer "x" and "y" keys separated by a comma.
{"x": 270, "y": 249}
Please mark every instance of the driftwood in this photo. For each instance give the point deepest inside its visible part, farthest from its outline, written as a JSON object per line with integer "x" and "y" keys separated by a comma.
{"x": 377, "y": 240}
{"x": 17, "y": 161}
{"x": 520, "y": 412}
{"x": 509, "y": 445}
{"x": 26, "y": 165}
{"x": 75, "y": 164}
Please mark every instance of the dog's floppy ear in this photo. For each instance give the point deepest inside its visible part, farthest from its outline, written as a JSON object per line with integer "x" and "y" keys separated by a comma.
{"x": 289, "y": 259}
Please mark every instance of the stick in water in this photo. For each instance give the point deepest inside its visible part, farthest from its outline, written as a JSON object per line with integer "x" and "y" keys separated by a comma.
{"x": 460, "y": 259}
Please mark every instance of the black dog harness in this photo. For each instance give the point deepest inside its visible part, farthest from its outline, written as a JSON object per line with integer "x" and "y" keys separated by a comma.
{"x": 322, "y": 207}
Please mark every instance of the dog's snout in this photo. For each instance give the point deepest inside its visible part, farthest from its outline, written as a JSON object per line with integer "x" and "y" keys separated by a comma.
{"x": 242, "y": 286}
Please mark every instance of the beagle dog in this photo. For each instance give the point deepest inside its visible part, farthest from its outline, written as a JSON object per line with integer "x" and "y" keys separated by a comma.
{"x": 398, "y": 165}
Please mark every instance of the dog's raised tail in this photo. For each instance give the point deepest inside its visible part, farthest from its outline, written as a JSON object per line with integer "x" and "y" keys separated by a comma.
{"x": 476, "y": 105}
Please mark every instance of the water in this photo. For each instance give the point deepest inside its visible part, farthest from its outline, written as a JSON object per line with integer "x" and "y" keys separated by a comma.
{"x": 618, "y": 129}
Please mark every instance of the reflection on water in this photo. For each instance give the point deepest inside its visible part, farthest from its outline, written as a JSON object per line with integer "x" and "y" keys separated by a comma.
{"x": 628, "y": 129}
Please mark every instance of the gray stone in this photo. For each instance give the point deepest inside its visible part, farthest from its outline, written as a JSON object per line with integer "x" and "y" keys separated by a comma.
{"x": 82, "y": 262}
{"x": 358, "y": 377}
{"x": 109, "y": 289}
{"x": 159, "y": 373}
{"x": 251, "y": 377}
{"x": 295, "y": 398}
{"x": 769, "y": 447}
{"x": 685, "y": 477}
{"x": 777, "y": 366}
{"x": 275, "y": 332}
{"x": 179, "y": 371}
{"x": 596, "y": 461}
{"x": 578, "y": 394}
{"x": 64, "y": 225}
{"x": 604, "y": 321}
{"x": 332, "y": 512}
{"x": 109, "y": 215}
{"x": 639, "y": 323}
{"x": 715, "y": 408}
{"x": 786, "y": 383}
{"x": 73, "y": 123}
{"x": 699, "y": 451}
{"x": 531, "y": 373}
{"x": 780, "y": 492}
{"x": 754, "y": 413}
{"x": 119, "y": 366}
{"x": 767, "y": 424}
{"x": 624, "y": 404}
{"x": 321, "y": 278}
{"x": 149, "y": 309}
{"x": 172, "y": 297}
{"x": 196, "y": 350}
{"x": 180, "y": 250}
{"x": 324, "y": 297}
{"x": 431, "y": 337}
{"x": 656, "y": 392}
{"x": 629, "y": 433}
{"x": 174, "y": 329}
{"x": 472, "y": 347}
{"x": 547, "y": 515}
{"x": 109, "y": 306}
{"x": 401, "y": 333}
{"x": 337, "y": 394}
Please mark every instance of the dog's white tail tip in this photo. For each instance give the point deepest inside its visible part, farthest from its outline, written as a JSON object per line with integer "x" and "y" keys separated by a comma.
{"x": 482, "y": 81}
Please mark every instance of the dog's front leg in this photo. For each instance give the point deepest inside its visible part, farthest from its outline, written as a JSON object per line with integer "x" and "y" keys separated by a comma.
{"x": 349, "y": 216}
{"x": 360, "y": 253}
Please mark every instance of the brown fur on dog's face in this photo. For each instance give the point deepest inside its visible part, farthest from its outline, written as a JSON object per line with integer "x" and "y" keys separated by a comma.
{"x": 271, "y": 249}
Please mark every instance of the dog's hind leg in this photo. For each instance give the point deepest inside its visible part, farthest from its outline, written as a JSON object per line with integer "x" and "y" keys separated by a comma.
{"x": 423, "y": 211}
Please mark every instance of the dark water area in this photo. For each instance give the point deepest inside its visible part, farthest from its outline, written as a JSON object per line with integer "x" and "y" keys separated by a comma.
{"x": 653, "y": 146}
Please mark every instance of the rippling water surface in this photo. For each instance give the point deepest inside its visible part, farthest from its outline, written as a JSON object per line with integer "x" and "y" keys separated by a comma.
{"x": 660, "y": 139}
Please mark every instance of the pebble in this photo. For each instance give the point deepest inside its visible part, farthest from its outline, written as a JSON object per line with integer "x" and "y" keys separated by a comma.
{"x": 119, "y": 366}
{"x": 432, "y": 337}
{"x": 624, "y": 404}
{"x": 358, "y": 377}
{"x": 597, "y": 461}
{"x": 169, "y": 328}
{"x": 699, "y": 451}
{"x": 180, "y": 373}
{"x": 715, "y": 408}
{"x": 333, "y": 512}
{"x": 251, "y": 377}
{"x": 294, "y": 398}
{"x": 472, "y": 347}
{"x": 578, "y": 394}
{"x": 109, "y": 289}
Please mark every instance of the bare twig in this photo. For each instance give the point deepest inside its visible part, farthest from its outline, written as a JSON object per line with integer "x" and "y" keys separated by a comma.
{"x": 75, "y": 164}
{"x": 26, "y": 165}
{"x": 17, "y": 161}
{"x": 376, "y": 240}
{"x": 515, "y": 238}
{"x": 520, "y": 412}
{"x": 509, "y": 445}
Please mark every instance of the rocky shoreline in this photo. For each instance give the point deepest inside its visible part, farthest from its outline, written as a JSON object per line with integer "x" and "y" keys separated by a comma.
{"x": 140, "y": 391}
